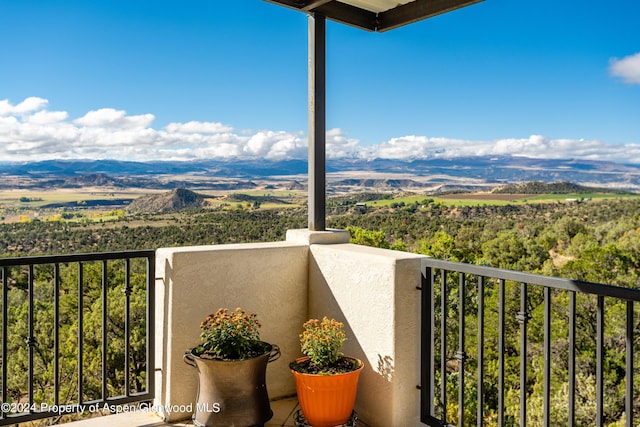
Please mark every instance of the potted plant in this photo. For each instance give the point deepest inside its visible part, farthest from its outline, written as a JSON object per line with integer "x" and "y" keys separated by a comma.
{"x": 326, "y": 380}
{"x": 231, "y": 362}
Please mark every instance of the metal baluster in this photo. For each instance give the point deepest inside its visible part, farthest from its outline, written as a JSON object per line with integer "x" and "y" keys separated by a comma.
{"x": 150, "y": 332}
{"x": 600, "y": 362}
{"x": 547, "y": 355}
{"x": 426, "y": 346}
{"x": 127, "y": 325}
{"x": 56, "y": 333}
{"x": 572, "y": 358}
{"x": 80, "y": 331}
{"x": 480, "y": 419}
{"x": 30, "y": 336}
{"x": 5, "y": 285}
{"x": 629, "y": 372}
{"x": 501, "y": 352}
{"x": 461, "y": 356}
{"x": 443, "y": 343}
{"x": 432, "y": 339}
{"x": 105, "y": 320}
{"x": 523, "y": 318}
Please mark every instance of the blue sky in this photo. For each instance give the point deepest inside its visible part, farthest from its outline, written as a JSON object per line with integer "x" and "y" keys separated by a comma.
{"x": 146, "y": 80}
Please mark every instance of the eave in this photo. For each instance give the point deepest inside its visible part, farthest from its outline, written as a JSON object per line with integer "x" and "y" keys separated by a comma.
{"x": 376, "y": 15}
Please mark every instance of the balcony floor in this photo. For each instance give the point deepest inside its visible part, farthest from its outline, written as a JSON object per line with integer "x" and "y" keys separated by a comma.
{"x": 283, "y": 412}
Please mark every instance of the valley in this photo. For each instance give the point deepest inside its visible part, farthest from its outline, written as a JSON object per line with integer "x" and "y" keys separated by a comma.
{"x": 108, "y": 190}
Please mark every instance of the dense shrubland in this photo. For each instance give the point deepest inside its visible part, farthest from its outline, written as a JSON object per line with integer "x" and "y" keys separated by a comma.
{"x": 595, "y": 241}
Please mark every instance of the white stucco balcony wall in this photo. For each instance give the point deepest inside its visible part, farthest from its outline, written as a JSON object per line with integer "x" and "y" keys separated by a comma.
{"x": 310, "y": 275}
{"x": 269, "y": 279}
{"x": 374, "y": 292}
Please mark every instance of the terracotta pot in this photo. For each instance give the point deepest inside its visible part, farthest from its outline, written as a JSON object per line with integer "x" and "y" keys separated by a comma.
{"x": 232, "y": 393}
{"x": 327, "y": 400}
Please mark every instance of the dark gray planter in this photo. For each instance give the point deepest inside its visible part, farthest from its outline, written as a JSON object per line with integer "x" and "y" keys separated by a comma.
{"x": 232, "y": 393}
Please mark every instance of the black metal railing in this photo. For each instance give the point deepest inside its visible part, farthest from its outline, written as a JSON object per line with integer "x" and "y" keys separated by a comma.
{"x": 77, "y": 334}
{"x": 505, "y": 348}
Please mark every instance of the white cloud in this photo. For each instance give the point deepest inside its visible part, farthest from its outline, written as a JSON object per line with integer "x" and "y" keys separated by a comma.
{"x": 535, "y": 146}
{"x": 422, "y": 147}
{"x": 108, "y": 117}
{"x": 288, "y": 146}
{"x": 338, "y": 145}
{"x": 29, "y": 132}
{"x": 198, "y": 127}
{"x": 275, "y": 145}
{"x": 47, "y": 117}
{"x": 28, "y": 105}
{"x": 628, "y": 68}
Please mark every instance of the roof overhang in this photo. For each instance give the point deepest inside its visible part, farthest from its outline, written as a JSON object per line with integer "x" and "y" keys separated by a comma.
{"x": 376, "y": 15}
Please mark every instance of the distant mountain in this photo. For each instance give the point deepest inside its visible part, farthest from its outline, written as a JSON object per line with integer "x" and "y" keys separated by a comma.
{"x": 382, "y": 184}
{"x": 236, "y": 168}
{"x": 170, "y": 201}
{"x": 490, "y": 171}
{"x": 94, "y": 180}
{"x": 296, "y": 185}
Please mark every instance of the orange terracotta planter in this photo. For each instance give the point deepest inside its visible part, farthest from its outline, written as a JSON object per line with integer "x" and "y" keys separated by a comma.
{"x": 327, "y": 400}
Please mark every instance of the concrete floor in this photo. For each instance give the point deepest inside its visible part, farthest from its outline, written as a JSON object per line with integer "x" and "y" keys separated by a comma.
{"x": 283, "y": 412}
{"x": 283, "y": 416}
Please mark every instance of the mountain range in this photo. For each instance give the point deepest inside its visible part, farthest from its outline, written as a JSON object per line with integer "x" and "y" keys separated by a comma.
{"x": 464, "y": 172}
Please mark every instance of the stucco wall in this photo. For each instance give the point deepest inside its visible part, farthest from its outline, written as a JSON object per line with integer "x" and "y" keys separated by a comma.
{"x": 373, "y": 291}
{"x": 269, "y": 279}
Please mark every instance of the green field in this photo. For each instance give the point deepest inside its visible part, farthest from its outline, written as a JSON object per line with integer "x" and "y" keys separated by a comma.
{"x": 478, "y": 199}
{"x": 26, "y": 205}
{"x": 40, "y": 198}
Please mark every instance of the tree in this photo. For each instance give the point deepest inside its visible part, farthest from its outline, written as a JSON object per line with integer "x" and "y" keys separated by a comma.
{"x": 360, "y": 236}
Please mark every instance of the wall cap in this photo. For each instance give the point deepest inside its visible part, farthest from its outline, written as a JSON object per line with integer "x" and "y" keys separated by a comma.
{"x": 309, "y": 237}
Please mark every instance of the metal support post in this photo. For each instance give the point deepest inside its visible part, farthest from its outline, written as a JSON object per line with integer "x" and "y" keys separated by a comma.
{"x": 317, "y": 122}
